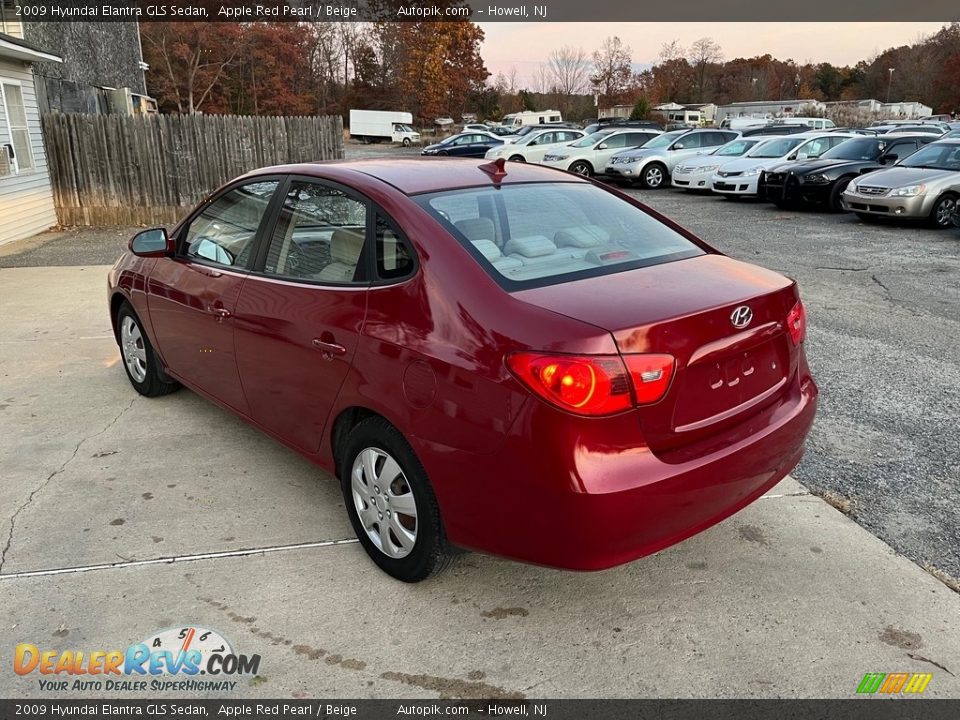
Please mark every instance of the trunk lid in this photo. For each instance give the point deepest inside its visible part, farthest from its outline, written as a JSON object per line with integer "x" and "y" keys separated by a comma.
{"x": 723, "y": 373}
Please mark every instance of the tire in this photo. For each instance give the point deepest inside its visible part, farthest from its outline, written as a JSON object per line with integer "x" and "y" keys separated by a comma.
{"x": 582, "y": 168}
{"x": 654, "y": 176}
{"x": 139, "y": 359}
{"x": 444, "y": 153}
{"x": 868, "y": 218}
{"x": 406, "y": 142}
{"x": 834, "y": 203}
{"x": 517, "y": 158}
{"x": 414, "y": 546}
{"x": 941, "y": 216}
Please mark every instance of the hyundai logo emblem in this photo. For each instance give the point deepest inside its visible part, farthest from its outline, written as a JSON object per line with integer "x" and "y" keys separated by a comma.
{"x": 741, "y": 316}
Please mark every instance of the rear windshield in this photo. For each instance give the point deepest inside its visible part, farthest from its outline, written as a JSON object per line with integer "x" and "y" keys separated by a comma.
{"x": 547, "y": 233}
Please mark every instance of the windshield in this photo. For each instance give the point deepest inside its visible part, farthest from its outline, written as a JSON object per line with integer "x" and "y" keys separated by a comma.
{"x": 591, "y": 140}
{"x": 735, "y": 148}
{"x": 936, "y": 157}
{"x": 663, "y": 140}
{"x": 403, "y": 128}
{"x": 775, "y": 148}
{"x": 533, "y": 234}
{"x": 858, "y": 149}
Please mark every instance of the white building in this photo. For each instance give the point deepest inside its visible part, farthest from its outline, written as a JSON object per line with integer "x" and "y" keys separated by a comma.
{"x": 26, "y": 200}
{"x": 769, "y": 109}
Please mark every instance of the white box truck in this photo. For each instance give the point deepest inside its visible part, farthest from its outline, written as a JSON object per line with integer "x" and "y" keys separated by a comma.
{"x": 377, "y": 125}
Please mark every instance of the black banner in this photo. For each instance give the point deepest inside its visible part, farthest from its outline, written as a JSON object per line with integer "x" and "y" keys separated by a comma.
{"x": 482, "y": 11}
{"x": 858, "y": 709}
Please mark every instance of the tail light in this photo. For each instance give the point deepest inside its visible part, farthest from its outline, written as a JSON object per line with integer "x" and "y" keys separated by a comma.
{"x": 797, "y": 323}
{"x": 594, "y": 385}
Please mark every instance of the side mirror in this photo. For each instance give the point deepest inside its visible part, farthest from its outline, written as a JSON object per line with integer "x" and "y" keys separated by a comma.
{"x": 602, "y": 146}
{"x": 152, "y": 243}
{"x": 677, "y": 146}
{"x": 889, "y": 158}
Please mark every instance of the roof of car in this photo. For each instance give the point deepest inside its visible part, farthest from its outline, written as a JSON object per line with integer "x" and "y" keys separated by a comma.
{"x": 420, "y": 175}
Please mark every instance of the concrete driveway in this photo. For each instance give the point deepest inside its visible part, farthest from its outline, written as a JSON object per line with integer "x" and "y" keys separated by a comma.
{"x": 102, "y": 489}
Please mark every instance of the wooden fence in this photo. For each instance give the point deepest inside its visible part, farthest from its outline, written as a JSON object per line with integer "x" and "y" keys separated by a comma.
{"x": 148, "y": 170}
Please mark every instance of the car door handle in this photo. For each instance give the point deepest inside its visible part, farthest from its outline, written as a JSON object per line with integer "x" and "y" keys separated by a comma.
{"x": 221, "y": 313}
{"x": 329, "y": 348}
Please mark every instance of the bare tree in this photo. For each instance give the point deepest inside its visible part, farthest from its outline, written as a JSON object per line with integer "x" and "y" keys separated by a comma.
{"x": 612, "y": 70}
{"x": 703, "y": 53}
{"x": 568, "y": 68}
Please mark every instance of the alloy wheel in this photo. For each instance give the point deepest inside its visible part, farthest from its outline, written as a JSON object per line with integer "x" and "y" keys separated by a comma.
{"x": 653, "y": 177}
{"x": 944, "y": 212}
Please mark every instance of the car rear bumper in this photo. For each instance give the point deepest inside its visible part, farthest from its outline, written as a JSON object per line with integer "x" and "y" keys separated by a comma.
{"x": 588, "y": 497}
{"x": 919, "y": 206}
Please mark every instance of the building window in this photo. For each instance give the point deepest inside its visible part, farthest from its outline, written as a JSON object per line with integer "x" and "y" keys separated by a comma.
{"x": 9, "y": 22}
{"x": 16, "y": 114}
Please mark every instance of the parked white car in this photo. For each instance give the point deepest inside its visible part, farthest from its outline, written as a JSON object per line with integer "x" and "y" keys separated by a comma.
{"x": 741, "y": 178}
{"x": 533, "y": 146}
{"x": 694, "y": 173}
{"x": 652, "y": 164}
{"x": 589, "y": 155}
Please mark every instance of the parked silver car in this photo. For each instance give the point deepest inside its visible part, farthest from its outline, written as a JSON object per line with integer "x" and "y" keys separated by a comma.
{"x": 921, "y": 187}
{"x": 652, "y": 164}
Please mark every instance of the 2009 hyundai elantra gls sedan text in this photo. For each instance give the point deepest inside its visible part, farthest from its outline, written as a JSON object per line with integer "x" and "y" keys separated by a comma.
{"x": 512, "y": 360}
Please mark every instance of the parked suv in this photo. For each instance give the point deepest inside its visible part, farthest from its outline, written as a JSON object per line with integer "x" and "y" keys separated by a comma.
{"x": 589, "y": 155}
{"x": 652, "y": 164}
{"x": 822, "y": 181}
{"x": 922, "y": 187}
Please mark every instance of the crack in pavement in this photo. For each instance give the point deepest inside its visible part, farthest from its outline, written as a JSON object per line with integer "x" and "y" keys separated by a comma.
{"x": 892, "y": 300}
{"x": 51, "y": 476}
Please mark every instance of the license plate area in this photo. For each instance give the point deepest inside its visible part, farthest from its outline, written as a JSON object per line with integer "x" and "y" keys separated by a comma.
{"x": 715, "y": 390}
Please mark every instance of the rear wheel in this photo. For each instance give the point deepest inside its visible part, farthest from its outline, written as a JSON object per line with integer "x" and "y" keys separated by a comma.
{"x": 391, "y": 504}
{"x": 139, "y": 360}
{"x": 582, "y": 167}
{"x": 654, "y": 176}
{"x": 941, "y": 216}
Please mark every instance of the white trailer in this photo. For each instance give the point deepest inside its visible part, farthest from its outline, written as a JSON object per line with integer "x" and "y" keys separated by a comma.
{"x": 519, "y": 119}
{"x": 378, "y": 125}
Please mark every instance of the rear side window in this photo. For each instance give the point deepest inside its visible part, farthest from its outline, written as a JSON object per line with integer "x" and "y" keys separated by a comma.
{"x": 538, "y": 234}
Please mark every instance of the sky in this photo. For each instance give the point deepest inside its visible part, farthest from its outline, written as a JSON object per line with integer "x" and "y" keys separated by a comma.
{"x": 526, "y": 45}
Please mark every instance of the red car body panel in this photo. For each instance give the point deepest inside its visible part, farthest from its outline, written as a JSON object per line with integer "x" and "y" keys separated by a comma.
{"x": 513, "y": 475}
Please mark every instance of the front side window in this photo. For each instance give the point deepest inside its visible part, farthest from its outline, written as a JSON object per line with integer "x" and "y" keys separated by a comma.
{"x": 527, "y": 235}
{"x": 320, "y": 236}
{"x": 225, "y": 231}
{"x": 16, "y": 114}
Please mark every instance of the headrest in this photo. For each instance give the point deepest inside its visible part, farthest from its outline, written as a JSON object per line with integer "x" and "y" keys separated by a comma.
{"x": 585, "y": 236}
{"x": 477, "y": 229}
{"x": 345, "y": 246}
{"x": 530, "y": 246}
{"x": 488, "y": 249}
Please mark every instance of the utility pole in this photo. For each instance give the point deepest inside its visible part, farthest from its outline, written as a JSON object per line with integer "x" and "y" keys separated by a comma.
{"x": 889, "y": 82}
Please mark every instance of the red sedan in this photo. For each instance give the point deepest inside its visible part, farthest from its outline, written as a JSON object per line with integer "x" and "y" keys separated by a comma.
{"x": 511, "y": 359}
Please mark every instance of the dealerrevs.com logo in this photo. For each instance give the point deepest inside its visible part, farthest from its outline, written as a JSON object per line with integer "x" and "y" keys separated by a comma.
{"x": 188, "y": 658}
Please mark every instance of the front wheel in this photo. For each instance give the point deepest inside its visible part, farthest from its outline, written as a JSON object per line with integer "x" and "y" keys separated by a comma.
{"x": 942, "y": 214}
{"x": 139, "y": 360}
{"x": 390, "y": 503}
{"x": 654, "y": 176}
{"x": 581, "y": 167}
{"x": 835, "y": 201}
{"x": 406, "y": 142}
{"x": 517, "y": 158}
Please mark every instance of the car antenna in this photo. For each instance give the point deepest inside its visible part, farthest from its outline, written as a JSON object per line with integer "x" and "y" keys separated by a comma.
{"x": 495, "y": 169}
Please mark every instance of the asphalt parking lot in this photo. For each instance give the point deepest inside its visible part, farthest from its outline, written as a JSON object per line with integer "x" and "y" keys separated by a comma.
{"x": 788, "y": 598}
